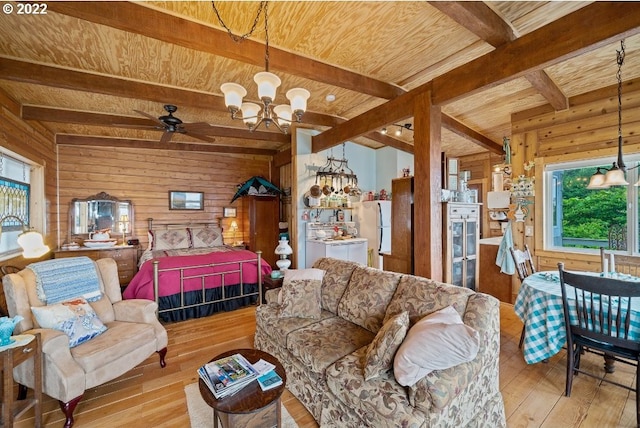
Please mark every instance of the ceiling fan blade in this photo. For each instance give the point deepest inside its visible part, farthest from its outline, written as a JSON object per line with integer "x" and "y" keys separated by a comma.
{"x": 201, "y": 137}
{"x": 166, "y": 137}
{"x": 197, "y": 126}
{"x": 155, "y": 119}
{"x": 142, "y": 127}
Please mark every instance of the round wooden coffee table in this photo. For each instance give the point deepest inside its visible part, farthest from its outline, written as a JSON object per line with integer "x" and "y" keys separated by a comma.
{"x": 251, "y": 406}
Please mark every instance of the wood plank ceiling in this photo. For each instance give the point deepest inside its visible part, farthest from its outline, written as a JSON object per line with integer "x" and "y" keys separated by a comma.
{"x": 83, "y": 69}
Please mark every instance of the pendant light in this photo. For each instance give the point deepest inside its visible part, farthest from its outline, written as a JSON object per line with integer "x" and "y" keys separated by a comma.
{"x": 615, "y": 176}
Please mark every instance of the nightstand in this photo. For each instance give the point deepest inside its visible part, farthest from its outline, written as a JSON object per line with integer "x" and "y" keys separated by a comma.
{"x": 26, "y": 346}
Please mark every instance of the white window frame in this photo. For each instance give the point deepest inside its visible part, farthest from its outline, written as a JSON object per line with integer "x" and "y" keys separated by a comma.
{"x": 632, "y": 201}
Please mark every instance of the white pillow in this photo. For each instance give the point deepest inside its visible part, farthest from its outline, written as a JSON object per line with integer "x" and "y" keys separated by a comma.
{"x": 75, "y": 318}
{"x": 436, "y": 342}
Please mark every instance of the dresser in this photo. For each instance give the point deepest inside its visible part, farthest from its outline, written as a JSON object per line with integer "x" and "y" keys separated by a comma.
{"x": 126, "y": 256}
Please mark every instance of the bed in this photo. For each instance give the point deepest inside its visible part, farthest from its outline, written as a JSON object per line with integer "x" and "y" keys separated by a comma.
{"x": 191, "y": 273}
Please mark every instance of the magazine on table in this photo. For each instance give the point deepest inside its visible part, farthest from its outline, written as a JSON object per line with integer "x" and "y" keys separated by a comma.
{"x": 269, "y": 380}
{"x": 227, "y": 375}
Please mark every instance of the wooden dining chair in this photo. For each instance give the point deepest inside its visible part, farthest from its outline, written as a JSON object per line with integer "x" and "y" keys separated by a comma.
{"x": 597, "y": 315}
{"x": 622, "y": 263}
{"x": 524, "y": 268}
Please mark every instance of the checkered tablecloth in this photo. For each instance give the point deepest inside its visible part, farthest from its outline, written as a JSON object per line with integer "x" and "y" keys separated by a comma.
{"x": 539, "y": 306}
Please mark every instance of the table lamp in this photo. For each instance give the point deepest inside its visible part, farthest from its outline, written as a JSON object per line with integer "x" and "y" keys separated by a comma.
{"x": 124, "y": 220}
{"x": 30, "y": 241}
{"x": 283, "y": 250}
{"x": 234, "y": 228}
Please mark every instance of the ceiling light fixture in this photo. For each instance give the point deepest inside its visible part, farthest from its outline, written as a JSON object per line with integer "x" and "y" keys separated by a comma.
{"x": 615, "y": 175}
{"x": 397, "y": 132}
{"x": 254, "y": 114}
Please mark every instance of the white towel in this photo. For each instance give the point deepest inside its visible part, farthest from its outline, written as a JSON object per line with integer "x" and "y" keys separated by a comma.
{"x": 504, "y": 258}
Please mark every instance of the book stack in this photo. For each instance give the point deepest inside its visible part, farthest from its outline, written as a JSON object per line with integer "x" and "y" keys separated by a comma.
{"x": 227, "y": 375}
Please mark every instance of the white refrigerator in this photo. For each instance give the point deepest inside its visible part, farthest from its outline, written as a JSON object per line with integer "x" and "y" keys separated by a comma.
{"x": 375, "y": 225}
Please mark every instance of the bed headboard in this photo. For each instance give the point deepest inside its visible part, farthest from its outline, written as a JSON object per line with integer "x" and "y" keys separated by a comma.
{"x": 167, "y": 226}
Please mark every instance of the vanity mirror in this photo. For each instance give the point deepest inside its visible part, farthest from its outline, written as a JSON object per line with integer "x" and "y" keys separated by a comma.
{"x": 98, "y": 213}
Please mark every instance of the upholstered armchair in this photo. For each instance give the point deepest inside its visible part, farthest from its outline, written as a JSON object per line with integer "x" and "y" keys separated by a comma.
{"x": 129, "y": 332}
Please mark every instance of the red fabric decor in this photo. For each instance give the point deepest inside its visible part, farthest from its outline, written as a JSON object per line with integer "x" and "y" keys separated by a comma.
{"x": 141, "y": 286}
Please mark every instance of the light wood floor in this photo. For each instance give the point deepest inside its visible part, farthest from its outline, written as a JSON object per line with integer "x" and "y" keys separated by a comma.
{"x": 149, "y": 396}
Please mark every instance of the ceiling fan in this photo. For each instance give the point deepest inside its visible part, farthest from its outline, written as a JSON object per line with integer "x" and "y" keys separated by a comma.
{"x": 171, "y": 124}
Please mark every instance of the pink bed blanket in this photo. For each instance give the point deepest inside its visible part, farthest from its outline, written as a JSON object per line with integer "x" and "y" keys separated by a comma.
{"x": 141, "y": 286}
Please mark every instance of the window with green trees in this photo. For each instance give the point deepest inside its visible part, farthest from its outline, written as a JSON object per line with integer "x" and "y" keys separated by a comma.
{"x": 577, "y": 217}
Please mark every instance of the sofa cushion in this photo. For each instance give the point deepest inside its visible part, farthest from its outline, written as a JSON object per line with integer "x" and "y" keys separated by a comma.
{"x": 320, "y": 344}
{"x": 121, "y": 339}
{"x": 380, "y": 402}
{"x": 367, "y": 296}
{"x": 422, "y": 296}
{"x": 380, "y": 352}
{"x": 301, "y": 290}
{"x": 267, "y": 318}
{"x": 437, "y": 342}
{"x": 75, "y": 318}
{"x": 336, "y": 278}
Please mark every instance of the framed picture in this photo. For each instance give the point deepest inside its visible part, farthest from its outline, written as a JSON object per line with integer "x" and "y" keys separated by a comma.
{"x": 186, "y": 200}
{"x": 229, "y": 212}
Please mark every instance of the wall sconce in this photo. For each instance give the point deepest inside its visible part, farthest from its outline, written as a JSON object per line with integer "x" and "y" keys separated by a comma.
{"x": 234, "y": 228}
{"x": 283, "y": 250}
{"x": 124, "y": 221}
{"x": 30, "y": 241}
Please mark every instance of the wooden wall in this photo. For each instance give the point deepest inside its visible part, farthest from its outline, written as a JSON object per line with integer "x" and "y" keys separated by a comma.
{"x": 146, "y": 176}
{"x": 37, "y": 144}
{"x": 587, "y": 130}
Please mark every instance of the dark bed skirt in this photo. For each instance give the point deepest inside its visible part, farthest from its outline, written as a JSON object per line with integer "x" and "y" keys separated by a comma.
{"x": 212, "y": 295}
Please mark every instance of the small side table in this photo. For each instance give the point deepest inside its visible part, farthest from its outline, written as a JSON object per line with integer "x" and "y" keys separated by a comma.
{"x": 25, "y": 346}
{"x": 269, "y": 283}
{"x": 251, "y": 407}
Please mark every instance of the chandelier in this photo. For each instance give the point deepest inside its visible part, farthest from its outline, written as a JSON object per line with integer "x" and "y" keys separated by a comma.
{"x": 337, "y": 175}
{"x": 615, "y": 175}
{"x": 254, "y": 114}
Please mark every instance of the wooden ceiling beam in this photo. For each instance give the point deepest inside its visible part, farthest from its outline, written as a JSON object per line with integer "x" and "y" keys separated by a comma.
{"x": 481, "y": 20}
{"x": 81, "y": 140}
{"x": 138, "y": 19}
{"x": 558, "y": 41}
{"x": 390, "y": 141}
{"x": 464, "y": 131}
{"x": 606, "y": 21}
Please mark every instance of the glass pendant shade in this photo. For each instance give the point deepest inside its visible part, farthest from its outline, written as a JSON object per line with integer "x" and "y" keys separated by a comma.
{"x": 615, "y": 177}
{"x": 298, "y": 98}
{"x": 250, "y": 113}
{"x": 597, "y": 181}
{"x": 283, "y": 114}
{"x": 267, "y": 85}
{"x": 233, "y": 94}
{"x": 32, "y": 245}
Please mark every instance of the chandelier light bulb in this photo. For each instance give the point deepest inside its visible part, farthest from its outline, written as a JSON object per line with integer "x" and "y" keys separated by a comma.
{"x": 298, "y": 98}
{"x": 283, "y": 115}
{"x": 250, "y": 113}
{"x": 267, "y": 85}
{"x": 233, "y": 95}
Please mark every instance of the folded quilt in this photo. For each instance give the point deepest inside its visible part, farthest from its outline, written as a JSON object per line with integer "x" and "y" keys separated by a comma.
{"x": 58, "y": 280}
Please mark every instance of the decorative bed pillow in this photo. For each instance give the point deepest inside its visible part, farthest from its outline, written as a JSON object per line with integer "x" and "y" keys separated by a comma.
{"x": 436, "y": 342}
{"x": 170, "y": 239}
{"x": 75, "y": 318}
{"x": 301, "y": 292}
{"x": 203, "y": 237}
{"x": 380, "y": 353}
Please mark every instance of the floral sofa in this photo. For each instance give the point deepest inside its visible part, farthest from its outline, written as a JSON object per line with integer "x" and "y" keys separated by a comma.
{"x": 327, "y": 354}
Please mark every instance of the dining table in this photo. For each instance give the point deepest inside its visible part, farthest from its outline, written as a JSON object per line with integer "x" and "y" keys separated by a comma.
{"x": 539, "y": 306}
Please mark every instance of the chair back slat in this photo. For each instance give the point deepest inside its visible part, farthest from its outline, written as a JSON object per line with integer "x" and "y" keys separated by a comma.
{"x": 523, "y": 261}
{"x": 620, "y": 263}
{"x": 600, "y": 308}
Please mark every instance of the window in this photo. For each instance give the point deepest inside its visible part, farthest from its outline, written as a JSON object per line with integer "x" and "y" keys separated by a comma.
{"x": 580, "y": 219}
{"x": 17, "y": 190}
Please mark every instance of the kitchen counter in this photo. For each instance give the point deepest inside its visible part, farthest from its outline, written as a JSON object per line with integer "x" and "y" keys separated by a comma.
{"x": 496, "y": 240}
{"x": 353, "y": 249}
{"x": 338, "y": 240}
{"x": 492, "y": 281}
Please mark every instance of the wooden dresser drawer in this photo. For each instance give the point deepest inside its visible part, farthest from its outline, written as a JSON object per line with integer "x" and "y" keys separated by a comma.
{"x": 126, "y": 258}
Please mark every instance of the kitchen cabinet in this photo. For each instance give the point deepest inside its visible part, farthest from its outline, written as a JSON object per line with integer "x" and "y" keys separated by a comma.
{"x": 347, "y": 249}
{"x": 126, "y": 257}
{"x": 264, "y": 216}
{"x": 461, "y": 231}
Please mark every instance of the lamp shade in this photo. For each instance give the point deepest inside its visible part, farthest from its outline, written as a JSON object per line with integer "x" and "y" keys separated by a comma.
{"x": 597, "y": 181}
{"x": 298, "y": 98}
{"x": 233, "y": 94}
{"x": 267, "y": 85}
{"x": 283, "y": 113}
{"x": 615, "y": 177}
{"x": 250, "y": 113}
{"x": 283, "y": 248}
{"x": 32, "y": 245}
{"x": 234, "y": 225}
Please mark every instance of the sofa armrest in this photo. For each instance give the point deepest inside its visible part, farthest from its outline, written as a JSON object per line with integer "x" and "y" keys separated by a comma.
{"x": 440, "y": 387}
{"x": 271, "y": 296}
{"x": 136, "y": 310}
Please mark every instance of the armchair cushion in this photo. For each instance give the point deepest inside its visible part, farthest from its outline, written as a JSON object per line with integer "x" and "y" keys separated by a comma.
{"x": 75, "y": 318}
